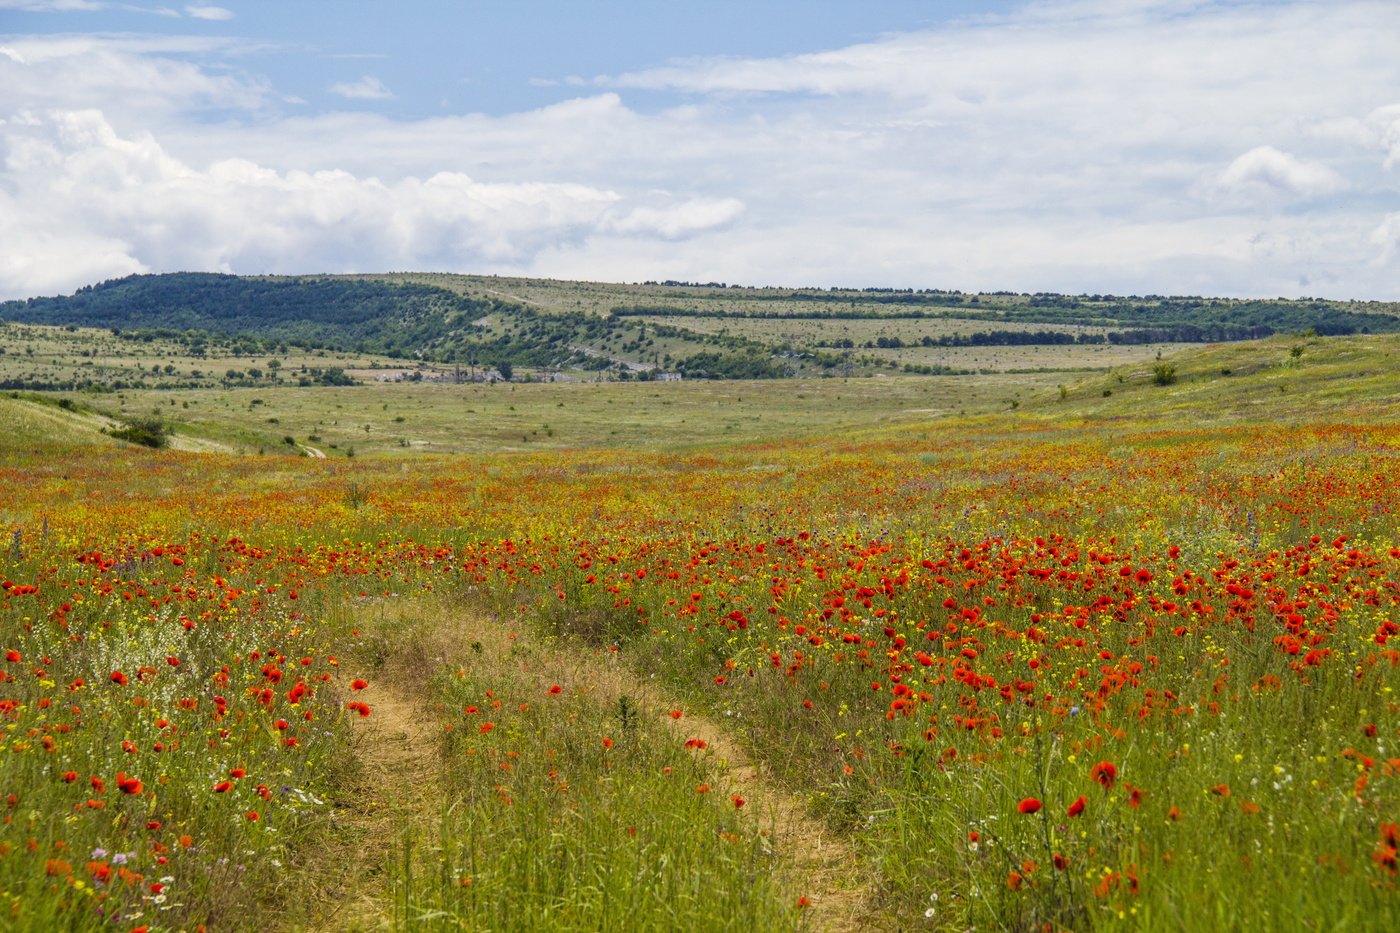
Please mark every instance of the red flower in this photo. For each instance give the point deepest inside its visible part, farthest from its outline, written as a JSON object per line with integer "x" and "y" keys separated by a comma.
{"x": 358, "y": 684}
{"x": 607, "y": 743}
{"x": 223, "y": 787}
{"x": 556, "y": 689}
{"x": 1105, "y": 773}
{"x": 1029, "y": 805}
{"x": 119, "y": 678}
{"x": 360, "y": 708}
{"x": 13, "y": 656}
{"x": 1077, "y": 807}
{"x": 738, "y": 801}
{"x": 128, "y": 785}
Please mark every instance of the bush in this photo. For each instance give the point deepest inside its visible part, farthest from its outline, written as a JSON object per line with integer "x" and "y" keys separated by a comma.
{"x": 1164, "y": 374}
{"x": 148, "y": 432}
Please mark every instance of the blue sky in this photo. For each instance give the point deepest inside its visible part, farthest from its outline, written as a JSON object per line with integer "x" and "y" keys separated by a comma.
{"x": 1132, "y": 146}
{"x": 491, "y": 57}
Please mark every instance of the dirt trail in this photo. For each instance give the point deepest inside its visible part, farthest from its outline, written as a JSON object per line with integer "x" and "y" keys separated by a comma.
{"x": 397, "y": 788}
{"x": 398, "y": 748}
{"x": 816, "y": 862}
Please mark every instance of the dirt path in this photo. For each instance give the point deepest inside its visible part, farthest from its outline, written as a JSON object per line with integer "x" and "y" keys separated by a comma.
{"x": 816, "y": 861}
{"x": 398, "y": 787}
{"x": 313, "y": 452}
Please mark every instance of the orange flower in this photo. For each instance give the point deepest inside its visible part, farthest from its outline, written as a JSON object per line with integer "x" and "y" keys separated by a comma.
{"x": 607, "y": 743}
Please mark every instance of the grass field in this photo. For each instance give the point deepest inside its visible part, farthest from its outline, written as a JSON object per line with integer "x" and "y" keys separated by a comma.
{"x": 1102, "y": 650}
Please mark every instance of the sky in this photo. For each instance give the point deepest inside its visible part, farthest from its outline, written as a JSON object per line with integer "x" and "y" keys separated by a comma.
{"x": 1133, "y": 147}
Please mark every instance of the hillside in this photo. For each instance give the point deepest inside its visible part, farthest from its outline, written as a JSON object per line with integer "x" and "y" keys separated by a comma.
{"x": 695, "y": 330}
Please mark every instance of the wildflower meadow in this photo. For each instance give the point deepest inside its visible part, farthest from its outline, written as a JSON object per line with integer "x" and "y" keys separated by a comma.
{"x": 993, "y": 673}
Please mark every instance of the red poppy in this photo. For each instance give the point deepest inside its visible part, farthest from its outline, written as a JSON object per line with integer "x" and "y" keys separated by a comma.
{"x": 1105, "y": 773}
{"x": 1029, "y": 805}
{"x": 1077, "y": 807}
{"x": 358, "y": 684}
{"x": 128, "y": 785}
{"x": 738, "y": 801}
{"x": 607, "y": 743}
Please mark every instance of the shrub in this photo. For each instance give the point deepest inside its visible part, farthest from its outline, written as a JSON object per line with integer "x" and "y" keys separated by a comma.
{"x": 148, "y": 432}
{"x": 1164, "y": 374}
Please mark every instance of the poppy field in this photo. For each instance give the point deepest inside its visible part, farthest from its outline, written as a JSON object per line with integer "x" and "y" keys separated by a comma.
{"x": 1012, "y": 671}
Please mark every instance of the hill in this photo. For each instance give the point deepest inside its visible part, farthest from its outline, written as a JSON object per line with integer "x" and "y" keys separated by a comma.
{"x": 696, "y": 330}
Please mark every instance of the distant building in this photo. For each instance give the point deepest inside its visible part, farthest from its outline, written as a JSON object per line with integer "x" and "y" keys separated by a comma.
{"x": 666, "y": 377}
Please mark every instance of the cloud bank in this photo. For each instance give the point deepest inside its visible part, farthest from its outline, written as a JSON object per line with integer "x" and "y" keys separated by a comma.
{"x": 1183, "y": 147}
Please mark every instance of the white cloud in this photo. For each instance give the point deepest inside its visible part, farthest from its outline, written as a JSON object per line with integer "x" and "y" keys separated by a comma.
{"x": 367, "y": 88}
{"x": 85, "y": 203}
{"x": 1265, "y": 169}
{"x": 206, "y": 11}
{"x": 145, "y": 79}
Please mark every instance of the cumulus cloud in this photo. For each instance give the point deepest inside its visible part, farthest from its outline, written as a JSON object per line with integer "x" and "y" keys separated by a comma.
{"x": 367, "y": 88}
{"x": 1265, "y": 169}
{"x": 83, "y": 202}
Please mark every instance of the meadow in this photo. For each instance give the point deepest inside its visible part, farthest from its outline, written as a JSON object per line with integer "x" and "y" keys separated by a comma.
{"x": 919, "y": 653}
